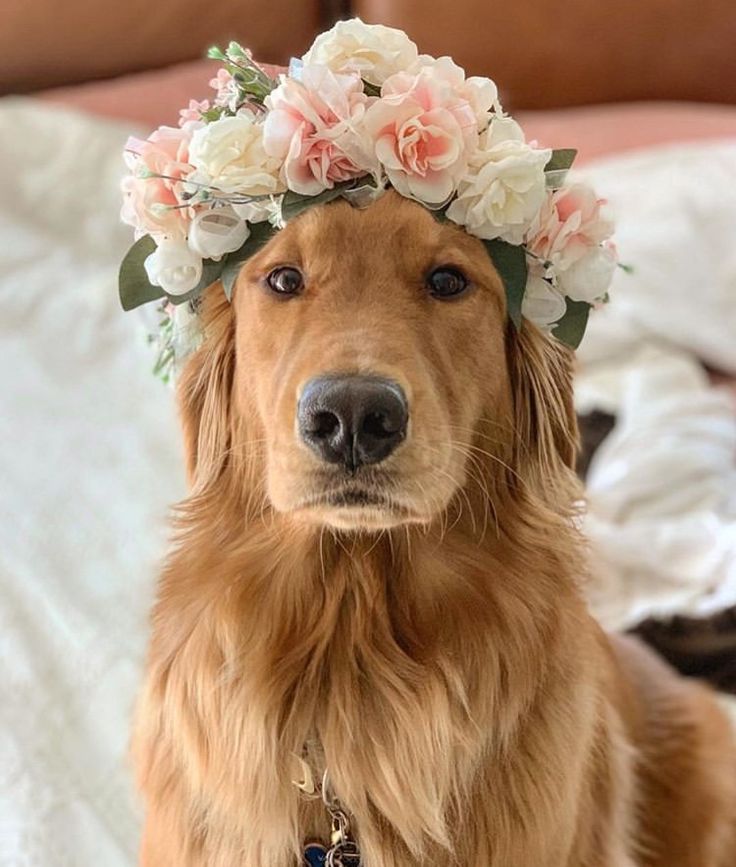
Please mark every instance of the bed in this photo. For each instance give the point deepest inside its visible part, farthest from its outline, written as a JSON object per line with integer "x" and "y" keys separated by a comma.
{"x": 92, "y": 461}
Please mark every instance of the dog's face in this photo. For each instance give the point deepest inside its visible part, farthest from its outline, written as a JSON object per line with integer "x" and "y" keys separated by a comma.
{"x": 369, "y": 350}
{"x": 366, "y": 340}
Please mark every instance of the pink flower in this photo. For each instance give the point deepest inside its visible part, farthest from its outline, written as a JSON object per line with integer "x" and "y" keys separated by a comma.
{"x": 423, "y": 132}
{"x": 227, "y": 91}
{"x": 315, "y": 127}
{"x": 570, "y": 236}
{"x": 150, "y": 192}
{"x": 568, "y": 224}
{"x": 480, "y": 92}
{"x": 193, "y": 112}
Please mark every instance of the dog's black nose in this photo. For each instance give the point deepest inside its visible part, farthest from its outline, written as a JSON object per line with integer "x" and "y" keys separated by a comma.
{"x": 352, "y": 420}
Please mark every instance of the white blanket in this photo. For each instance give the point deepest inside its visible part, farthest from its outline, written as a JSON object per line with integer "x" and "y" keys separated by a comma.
{"x": 91, "y": 456}
{"x": 90, "y": 462}
{"x": 662, "y": 489}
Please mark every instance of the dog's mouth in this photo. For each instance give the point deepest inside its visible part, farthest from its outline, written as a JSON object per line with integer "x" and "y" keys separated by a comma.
{"x": 353, "y": 506}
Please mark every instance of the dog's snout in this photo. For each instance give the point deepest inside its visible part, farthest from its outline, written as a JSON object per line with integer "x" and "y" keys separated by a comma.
{"x": 352, "y": 420}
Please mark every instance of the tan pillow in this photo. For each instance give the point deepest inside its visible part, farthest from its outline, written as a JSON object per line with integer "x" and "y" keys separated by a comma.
{"x": 546, "y": 53}
{"x": 44, "y": 43}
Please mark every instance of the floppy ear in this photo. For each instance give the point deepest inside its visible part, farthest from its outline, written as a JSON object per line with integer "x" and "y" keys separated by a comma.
{"x": 546, "y": 431}
{"x": 204, "y": 392}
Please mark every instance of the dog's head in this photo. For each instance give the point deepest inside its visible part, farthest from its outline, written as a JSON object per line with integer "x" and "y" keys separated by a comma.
{"x": 365, "y": 372}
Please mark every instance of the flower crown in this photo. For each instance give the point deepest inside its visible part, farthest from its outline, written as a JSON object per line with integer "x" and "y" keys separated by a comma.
{"x": 361, "y": 111}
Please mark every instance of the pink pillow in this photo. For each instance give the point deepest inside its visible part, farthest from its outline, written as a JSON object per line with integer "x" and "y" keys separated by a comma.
{"x": 598, "y": 130}
{"x": 149, "y": 99}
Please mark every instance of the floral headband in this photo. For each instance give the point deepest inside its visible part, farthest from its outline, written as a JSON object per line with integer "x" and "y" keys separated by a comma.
{"x": 362, "y": 111}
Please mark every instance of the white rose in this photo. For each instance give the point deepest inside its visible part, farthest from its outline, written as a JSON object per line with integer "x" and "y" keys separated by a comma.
{"x": 216, "y": 232}
{"x": 373, "y": 51}
{"x": 230, "y": 152}
{"x": 588, "y": 278}
{"x": 259, "y": 211}
{"x": 542, "y": 304}
{"x": 174, "y": 267}
{"x": 503, "y": 187}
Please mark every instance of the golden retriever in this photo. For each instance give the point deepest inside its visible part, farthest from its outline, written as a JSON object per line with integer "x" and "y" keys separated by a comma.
{"x": 378, "y": 568}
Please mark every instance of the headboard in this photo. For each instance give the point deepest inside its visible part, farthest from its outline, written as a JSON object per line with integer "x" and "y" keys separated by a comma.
{"x": 547, "y": 53}
{"x": 543, "y": 53}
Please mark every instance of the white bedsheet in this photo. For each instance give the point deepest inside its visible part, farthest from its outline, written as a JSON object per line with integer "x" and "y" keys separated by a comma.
{"x": 91, "y": 458}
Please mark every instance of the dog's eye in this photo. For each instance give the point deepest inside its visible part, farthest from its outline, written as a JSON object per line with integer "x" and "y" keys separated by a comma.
{"x": 285, "y": 281}
{"x": 446, "y": 283}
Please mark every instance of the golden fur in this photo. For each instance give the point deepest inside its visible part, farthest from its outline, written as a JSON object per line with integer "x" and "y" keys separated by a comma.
{"x": 436, "y": 654}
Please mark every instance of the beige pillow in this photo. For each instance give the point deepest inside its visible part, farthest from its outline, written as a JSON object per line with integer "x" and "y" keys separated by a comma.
{"x": 44, "y": 43}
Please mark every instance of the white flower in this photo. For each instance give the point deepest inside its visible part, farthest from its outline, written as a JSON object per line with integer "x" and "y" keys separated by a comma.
{"x": 373, "y": 51}
{"x": 216, "y": 232}
{"x": 589, "y": 277}
{"x": 503, "y": 187}
{"x": 174, "y": 267}
{"x": 230, "y": 153}
{"x": 543, "y": 304}
{"x": 258, "y": 211}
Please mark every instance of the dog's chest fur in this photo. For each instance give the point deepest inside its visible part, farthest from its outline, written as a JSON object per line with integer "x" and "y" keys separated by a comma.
{"x": 426, "y": 702}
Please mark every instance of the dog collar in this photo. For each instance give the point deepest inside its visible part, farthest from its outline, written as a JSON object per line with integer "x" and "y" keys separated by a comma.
{"x": 342, "y": 850}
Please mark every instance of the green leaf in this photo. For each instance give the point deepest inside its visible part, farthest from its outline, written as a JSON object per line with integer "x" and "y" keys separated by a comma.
{"x": 561, "y": 159}
{"x": 260, "y": 234}
{"x": 510, "y": 262}
{"x": 229, "y": 276}
{"x": 214, "y": 113}
{"x": 571, "y": 327}
{"x": 133, "y": 284}
{"x": 441, "y": 214}
{"x": 235, "y": 49}
{"x": 371, "y": 89}
{"x": 294, "y": 204}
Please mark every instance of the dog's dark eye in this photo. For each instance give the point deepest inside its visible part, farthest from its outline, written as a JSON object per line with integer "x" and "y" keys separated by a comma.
{"x": 285, "y": 281}
{"x": 446, "y": 283}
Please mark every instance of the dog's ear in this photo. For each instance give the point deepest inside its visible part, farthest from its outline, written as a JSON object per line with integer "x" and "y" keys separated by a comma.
{"x": 546, "y": 432}
{"x": 204, "y": 392}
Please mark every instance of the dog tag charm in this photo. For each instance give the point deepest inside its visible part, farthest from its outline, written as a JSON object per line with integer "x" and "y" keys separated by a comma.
{"x": 315, "y": 855}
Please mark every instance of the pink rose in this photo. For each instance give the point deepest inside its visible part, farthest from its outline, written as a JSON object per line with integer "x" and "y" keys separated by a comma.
{"x": 480, "y": 92}
{"x": 570, "y": 236}
{"x": 423, "y": 132}
{"x": 568, "y": 224}
{"x": 150, "y": 192}
{"x": 315, "y": 127}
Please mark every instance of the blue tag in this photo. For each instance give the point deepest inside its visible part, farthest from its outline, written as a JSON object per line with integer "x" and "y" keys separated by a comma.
{"x": 315, "y": 855}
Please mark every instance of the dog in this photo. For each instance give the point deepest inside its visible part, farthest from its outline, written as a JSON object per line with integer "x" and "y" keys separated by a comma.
{"x": 379, "y": 570}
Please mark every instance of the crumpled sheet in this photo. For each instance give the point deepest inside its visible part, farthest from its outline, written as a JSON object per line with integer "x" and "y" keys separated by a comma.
{"x": 91, "y": 459}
